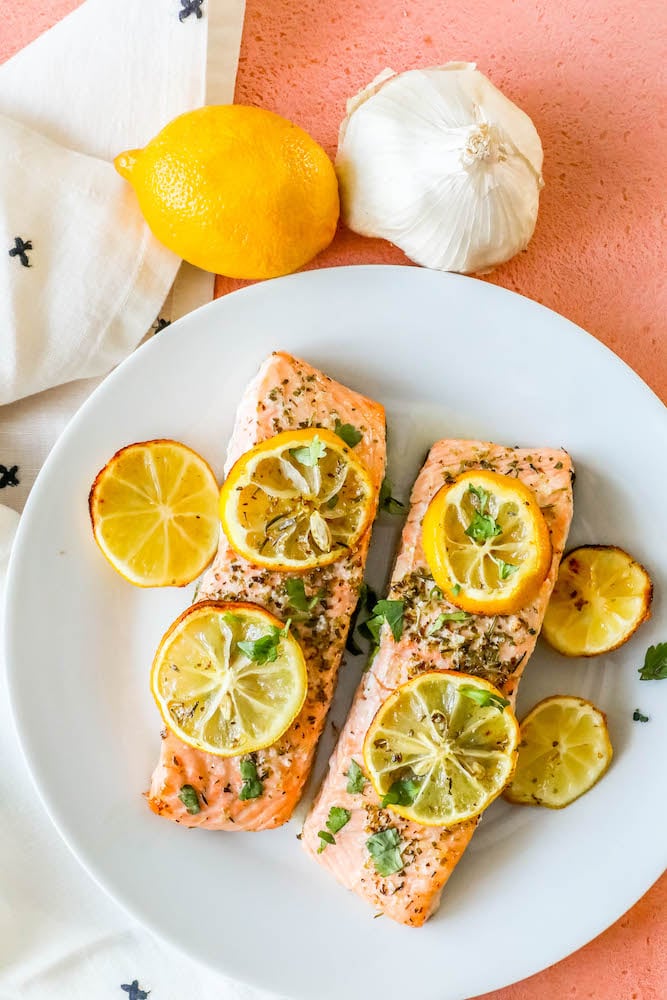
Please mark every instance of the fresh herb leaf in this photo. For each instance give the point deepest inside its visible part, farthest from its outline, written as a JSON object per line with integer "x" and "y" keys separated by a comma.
{"x": 356, "y": 779}
{"x": 638, "y": 717}
{"x": 655, "y": 663}
{"x": 388, "y": 503}
{"x": 326, "y": 838}
{"x": 264, "y": 649}
{"x": 384, "y": 848}
{"x": 402, "y": 792}
{"x": 482, "y": 497}
{"x": 487, "y": 699}
{"x": 448, "y": 616}
{"x": 505, "y": 569}
{"x": 456, "y": 589}
{"x": 252, "y": 787}
{"x": 296, "y": 593}
{"x": 311, "y": 453}
{"x": 190, "y": 799}
{"x": 347, "y": 433}
{"x": 392, "y": 613}
{"x": 482, "y": 527}
{"x": 337, "y": 818}
{"x": 435, "y": 594}
{"x": 367, "y": 597}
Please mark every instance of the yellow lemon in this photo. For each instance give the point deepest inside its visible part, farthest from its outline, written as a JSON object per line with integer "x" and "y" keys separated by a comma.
{"x": 236, "y": 190}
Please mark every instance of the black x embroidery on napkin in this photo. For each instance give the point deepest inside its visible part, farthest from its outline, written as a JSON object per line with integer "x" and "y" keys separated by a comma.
{"x": 133, "y": 990}
{"x": 19, "y": 250}
{"x": 190, "y": 7}
{"x": 8, "y": 476}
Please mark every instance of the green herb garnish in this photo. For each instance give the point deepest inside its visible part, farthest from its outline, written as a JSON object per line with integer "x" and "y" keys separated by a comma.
{"x": 264, "y": 649}
{"x": 402, "y": 792}
{"x": 505, "y": 569}
{"x": 390, "y": 612}
{"x": 190, "y": 799}
{"x": 638, "y": 717}
{"x": 483, "y": 526}
{"x": 367, "y": 598}
{"x": 252, "y": 787}
{"x": 311, "y": 453}
{"x": 655, "y": 663}
{"x": 487, "y": 699}
{"x": 296, "y": 592}
{"x": 448, "y": 616}
{"x": 356, "y": 779}
{"x": 347, "y": 433}
{"x": 456, "y": 589}
{"x": 388, "y": 503}
{"x": 384, "y": 848}
{"x": 435, "y": 594}
{"x": 336, "y": 820}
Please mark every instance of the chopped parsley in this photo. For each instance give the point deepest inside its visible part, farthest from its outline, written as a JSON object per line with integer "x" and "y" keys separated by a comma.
{"x": 252, "y": 787}
{"x": 296, "y": 592}
{"x": 264, "y": 649}
{"x": 638, "y": 717}
{"x": 367, "y": 598}
{"x": 487, "y": 699}
{"x": 402, "y": 792}
{"x": 655, "y": 663}
{"x": 356, "y": 779}
{"x": 190, "y": 799}
{"x": 483, "y": 526}
{"x": 347, "y": 433}
{"x": 311, "y": 453}
{"x": 336, "y": 820}
{"x": 456, "y": 589}
{"x": 388, "y": 503}
{"x": 384, "y": 848}
{"x": 505, "y": 569}
{"x": 390, "y": 612}
{"x": 448, "y": 616}
{"x": 435, "y": 594}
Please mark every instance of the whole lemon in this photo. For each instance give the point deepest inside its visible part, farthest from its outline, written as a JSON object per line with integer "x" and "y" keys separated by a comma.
{"x": 236, "y": 190}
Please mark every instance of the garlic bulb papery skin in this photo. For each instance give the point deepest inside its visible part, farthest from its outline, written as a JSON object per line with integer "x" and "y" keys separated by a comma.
{"x": 441, "y": 163}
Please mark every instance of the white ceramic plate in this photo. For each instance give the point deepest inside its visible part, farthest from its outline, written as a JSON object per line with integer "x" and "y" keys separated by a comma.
{"x": 448, "y": 356}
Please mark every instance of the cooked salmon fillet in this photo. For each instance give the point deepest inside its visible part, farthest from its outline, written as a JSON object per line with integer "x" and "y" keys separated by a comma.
{"x": 286, "y": 394}
{"x": 494, "y": 648}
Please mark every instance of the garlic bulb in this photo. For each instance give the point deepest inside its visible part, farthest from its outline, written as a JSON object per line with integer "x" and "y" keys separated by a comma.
{"x": 442, "y": 164}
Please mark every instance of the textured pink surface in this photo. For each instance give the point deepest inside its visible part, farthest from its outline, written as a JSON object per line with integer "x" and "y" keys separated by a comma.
{"x": 591, "y": 73}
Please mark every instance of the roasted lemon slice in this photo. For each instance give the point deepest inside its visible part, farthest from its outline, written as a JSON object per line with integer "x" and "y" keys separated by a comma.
{"x": 153, "y": 508}
{"x": 487, "y": 543}
{"x": 441, "y": 748}
{"x": 601, "y": 597}
{"x": 228, "y": 678}
{"x": 298, "y": 500}
{"x": 564, "y": 750}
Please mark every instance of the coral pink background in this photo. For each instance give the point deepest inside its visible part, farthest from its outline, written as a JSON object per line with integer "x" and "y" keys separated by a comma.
{"x": 591, "y": 74}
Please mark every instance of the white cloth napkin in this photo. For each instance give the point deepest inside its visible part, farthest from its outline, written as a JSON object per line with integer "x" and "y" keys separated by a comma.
{"x": 105, "y": 79}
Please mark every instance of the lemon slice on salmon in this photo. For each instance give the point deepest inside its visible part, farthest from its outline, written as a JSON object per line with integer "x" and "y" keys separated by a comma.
{"x": 487, "y": 543}
{"x": 441, "y": 748}
{"x": 154, "y": 513}
{"x": 564, "y": 750}
{"x": 229, "y": 678}
{"x": 299, "y": 500}
{"x": 602, "y": 595}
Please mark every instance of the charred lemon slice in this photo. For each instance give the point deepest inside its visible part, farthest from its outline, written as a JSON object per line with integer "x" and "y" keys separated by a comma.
{"x": 228, "y": 678}
{"x": 487, "y": 543}
{"x": 564, "y": 750}
{"x": 153, "y": 508}
{"x": 441, "y": 748}
{"x": 602, "y": 595}
{"x": 296, "y": 501}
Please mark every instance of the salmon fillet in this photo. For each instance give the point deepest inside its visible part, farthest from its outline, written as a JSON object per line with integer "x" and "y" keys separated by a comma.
{"x": 495, "y": 648}
{"x": 286, "y": 394}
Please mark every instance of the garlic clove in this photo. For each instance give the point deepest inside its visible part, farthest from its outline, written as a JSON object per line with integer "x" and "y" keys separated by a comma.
{"x": 442, "y": 164}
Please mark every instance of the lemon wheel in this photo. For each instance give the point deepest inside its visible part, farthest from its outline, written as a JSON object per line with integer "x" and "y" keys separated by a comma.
{"x": 296, "y": 501}
{"x": 228, "y": 678}
{"x": 564, "y": 750}
{"x": 602, "y": 595}
{"x": 487, "y": 543}
{"x": 153, "y": 509}
{"x": 441, "y": 748}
